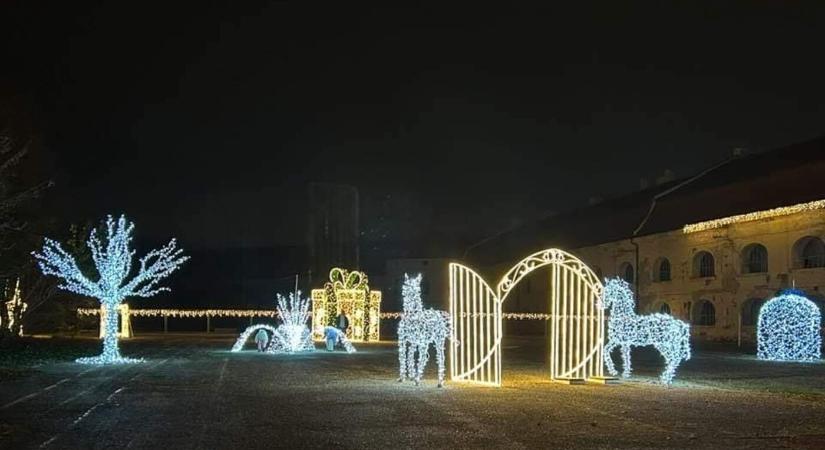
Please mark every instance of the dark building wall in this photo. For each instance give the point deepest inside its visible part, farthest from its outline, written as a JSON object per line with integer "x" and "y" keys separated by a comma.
{"x": 332, "y": 232}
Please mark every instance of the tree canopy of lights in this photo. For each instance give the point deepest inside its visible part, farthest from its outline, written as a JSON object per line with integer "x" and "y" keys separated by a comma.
{"x": 625, "y": 329}
{"x": 292, "y": 335}
{"x": 418, "y": 329}
{"x": 788, "y": 328}
{"x": 113, "y": 259}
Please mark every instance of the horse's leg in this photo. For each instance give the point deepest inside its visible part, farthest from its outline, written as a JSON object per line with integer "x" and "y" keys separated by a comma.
{"x": 626, "y": 369}
{"x": 411, "y": 361}
{"x": 608, "y": 360}
{"x": 671, "y": 361}
{"x": 423, "y": 355}
{"x": 439, "y": 358}
{"x": 402, "y": 360}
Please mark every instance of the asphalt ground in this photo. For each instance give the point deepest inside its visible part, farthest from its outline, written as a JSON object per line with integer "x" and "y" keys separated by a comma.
{"x": 193, "y": 393}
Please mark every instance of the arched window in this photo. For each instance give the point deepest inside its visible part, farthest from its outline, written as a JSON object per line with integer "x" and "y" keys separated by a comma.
{"x": 627, "y": 273}
{"x": 663, "y": 270}
{"x": 809, "y": 252}
{"x": 703, "y": 265}
{"x": 704, "y": 314}
{"x": 750, "y": 311}
{"x": 755, "y": 259}
{"x": 664, "y": 308}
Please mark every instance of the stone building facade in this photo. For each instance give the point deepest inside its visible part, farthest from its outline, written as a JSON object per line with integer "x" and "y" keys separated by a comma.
{"x": 709, "y": 249}
{"x": 718, "y": 278}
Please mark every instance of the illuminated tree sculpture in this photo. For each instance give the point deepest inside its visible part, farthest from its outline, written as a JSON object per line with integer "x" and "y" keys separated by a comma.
{"x": 625, "y": 329}
{"x": 113, "y": 260}
{"x": 788, "y": 329}
{"x": 418, "y": 329}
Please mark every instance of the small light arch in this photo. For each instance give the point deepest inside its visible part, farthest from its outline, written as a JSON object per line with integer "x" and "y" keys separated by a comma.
{"x": 664, "y": 308}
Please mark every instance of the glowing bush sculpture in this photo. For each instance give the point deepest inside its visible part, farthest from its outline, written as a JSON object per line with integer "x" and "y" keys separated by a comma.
{"x": 113, "y": 260}
{"x": 625, "y": 329}
{"x": 292, "y": 335}
{"x": 788, "y": 329}
{"x": 418, "y": 329}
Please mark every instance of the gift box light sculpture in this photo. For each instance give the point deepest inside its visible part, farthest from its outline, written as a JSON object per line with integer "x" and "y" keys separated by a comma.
{"x": 418, "y": 329}
{"x": 347, "y": 292}
{"x": 292, "y": 335}
{"x": 788, "y": 329}
{"x": 625, "y": 329}
{"x": 113, "y": 260}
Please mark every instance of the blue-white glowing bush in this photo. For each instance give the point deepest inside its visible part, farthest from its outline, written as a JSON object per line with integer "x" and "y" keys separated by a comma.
{"x": 113, "y": 261}
{"x": 788, "y": 329}
{"x": 625, "y": 329}
{"x": 418, "y": 329}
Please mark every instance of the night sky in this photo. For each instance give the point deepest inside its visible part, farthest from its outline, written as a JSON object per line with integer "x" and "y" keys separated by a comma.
{"x": 206, "y": 122}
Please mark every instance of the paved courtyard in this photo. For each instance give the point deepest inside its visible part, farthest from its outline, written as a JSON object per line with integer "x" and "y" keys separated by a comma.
{"x": 193, "y": 393}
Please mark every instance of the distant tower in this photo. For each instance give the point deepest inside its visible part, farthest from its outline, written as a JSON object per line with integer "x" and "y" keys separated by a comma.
{"x": 332, "y": 235}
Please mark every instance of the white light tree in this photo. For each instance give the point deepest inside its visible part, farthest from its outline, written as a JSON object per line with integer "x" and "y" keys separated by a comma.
{"x": 113, "y": 260}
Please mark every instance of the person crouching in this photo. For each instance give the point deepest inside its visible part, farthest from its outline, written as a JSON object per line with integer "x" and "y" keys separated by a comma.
{"x": 261, "y": 339}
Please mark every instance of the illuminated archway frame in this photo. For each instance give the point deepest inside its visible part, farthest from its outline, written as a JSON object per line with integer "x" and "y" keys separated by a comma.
{"x": 577, "y": 322}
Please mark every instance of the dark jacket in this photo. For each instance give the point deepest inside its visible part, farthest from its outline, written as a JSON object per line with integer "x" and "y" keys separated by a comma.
{"x": 341, "y": 322}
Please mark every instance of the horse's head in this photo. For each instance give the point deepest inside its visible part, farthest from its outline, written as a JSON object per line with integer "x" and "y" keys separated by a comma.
{"x": 411, "y": 293}
{"x": 617, "y": 295}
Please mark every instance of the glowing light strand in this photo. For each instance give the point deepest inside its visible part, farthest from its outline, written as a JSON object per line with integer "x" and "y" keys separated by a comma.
{"x": 752, "y": 216}
{"x": 112, "y": 257}
{"x": 625, "y": 329}
{"x": 418, "y": 329}
{"x": 788, "y": 329}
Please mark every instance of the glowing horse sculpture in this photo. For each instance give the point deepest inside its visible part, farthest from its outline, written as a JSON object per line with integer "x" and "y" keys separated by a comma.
{"x": 418, "y": 329}
{"x": 625, "y": 329}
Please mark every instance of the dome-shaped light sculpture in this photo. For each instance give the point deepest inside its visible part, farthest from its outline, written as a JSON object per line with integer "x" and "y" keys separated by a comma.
{"x": 788, "y": 329}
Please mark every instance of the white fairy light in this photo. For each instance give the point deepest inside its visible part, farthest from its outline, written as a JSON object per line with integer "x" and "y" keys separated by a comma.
{"x": 788, "y": 329}
{"x": 752, "y": 216}
{"x": 625, "y": 329}
{"x": 113, "y": 261}
{"x": 418, "y": 329}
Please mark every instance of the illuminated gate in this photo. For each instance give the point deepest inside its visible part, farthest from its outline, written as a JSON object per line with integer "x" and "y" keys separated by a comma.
{"x": 576, "y": 322}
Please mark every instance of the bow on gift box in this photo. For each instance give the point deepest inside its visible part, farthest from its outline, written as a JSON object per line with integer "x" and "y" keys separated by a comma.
{"x": 344, "y": 279}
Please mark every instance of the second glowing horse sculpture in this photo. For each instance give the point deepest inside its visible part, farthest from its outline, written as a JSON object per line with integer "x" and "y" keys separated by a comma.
{"x": 626, "y": 329}
{"x": 418, "y": 329}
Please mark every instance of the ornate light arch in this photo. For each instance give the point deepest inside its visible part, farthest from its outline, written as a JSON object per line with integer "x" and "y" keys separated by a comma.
{"x": 577, "y": 322}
